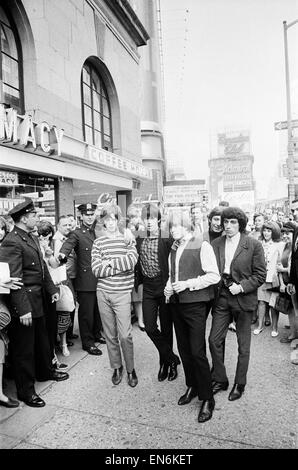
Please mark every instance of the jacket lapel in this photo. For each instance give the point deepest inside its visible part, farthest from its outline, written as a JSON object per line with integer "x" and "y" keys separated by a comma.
{"x": 241, "y": 246}
{"x": 25, "y": 237}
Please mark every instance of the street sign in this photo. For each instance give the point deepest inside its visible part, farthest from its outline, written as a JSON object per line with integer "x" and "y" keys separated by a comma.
{"x": 279, "y": 126}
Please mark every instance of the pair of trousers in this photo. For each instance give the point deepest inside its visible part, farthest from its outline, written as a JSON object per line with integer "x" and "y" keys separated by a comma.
{"x": 154, "y": 304}
{"x": 30, "y": 353}
{"x": 115, "y": 308}
{"x": 89, "y": 318}
{"x": 190, "y": 328}
{"x": 227, "y": 308}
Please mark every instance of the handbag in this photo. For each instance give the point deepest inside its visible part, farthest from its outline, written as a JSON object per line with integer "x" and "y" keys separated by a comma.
{"x": 66, "y": 301}
{"x": 4, "y": 315}
{"x": 283, "y": 303}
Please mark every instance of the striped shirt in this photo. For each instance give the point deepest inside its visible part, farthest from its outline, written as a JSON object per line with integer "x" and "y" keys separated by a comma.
{"x": 112, "y": 263}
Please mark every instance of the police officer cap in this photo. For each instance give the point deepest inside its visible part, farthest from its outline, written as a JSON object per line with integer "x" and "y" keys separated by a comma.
{"x": 21, "y": 209}
{"x": 88, "y": 207}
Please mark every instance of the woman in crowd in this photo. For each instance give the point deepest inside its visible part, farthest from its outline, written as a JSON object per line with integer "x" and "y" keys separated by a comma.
{"x": 112, "y": 263}
{"x": 9, "y": 283}
{"x": 258, "y": 221}
{"x": 57, "y": 322}
{"x": 135, "y": 224}
{"x": 270, "y": 237}
{"x": 283, "y": 268}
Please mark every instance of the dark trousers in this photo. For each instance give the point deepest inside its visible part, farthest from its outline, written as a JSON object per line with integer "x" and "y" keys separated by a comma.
{"x": 154, "y": 304}
{"x": 51, "y": 318}
{"x": 30, "y": 354}
{"x": 227, "y": 308}
{"x": 190, "y": 328}
{"x": 89, "y": 318}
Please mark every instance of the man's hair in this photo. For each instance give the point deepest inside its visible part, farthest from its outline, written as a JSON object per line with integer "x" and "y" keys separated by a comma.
{"x": 44, "y": 228}
{"x": 181, "y": 218}
{"x": 235, "y": 213}
{"x": 62, "y": 217}
{"x": 295, "y": 200}
{"x": 110, "y": 209}
{"x": 224, "y": 204}
{"x": 70, "y": 215}
{"x": 217, "y": 210}
{"x": 151, "y": 211}
{"x": 275, "y": 229}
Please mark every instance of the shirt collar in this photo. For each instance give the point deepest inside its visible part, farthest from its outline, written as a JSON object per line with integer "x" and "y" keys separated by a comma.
{"x": 235, "y": 239}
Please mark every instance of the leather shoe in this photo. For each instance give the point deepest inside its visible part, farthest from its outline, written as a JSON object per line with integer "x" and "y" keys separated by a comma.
{"x": 218, "y": 386}
{"x": 132, "y": 378}
{"x": 93, "y": 350}
{"x": 59, "y": 376}
{"x": 35, "y": 401}
{"x": 236, "y": 392}
{"x": 10, "y": 403}
{"x": 100, "y": 339}
{"x": 173, "y": 374}
{"x": 206, "y": 410}
{"x": 163, "y": 372}
{"x": 117, "y": 375}
{"x": 188, "y": 396}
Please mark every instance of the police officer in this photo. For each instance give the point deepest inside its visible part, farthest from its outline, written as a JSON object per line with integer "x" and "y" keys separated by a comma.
{"x": 29, "y": 344}
{"x": 81, "y": 241}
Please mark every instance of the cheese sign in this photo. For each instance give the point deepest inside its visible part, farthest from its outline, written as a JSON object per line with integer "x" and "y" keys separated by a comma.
{"x": 22, "y": 131}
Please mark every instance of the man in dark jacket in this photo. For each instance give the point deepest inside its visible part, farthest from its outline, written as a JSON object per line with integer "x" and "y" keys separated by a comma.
{"x": 81, "y": 241}
{"x": 152, "y": 271}
{"x": 241, "y": 264}
{"x": 30, "y": 349}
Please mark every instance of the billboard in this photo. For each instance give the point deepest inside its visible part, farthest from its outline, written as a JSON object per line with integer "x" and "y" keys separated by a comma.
{"x": 233, "y": 144}
{"x": 185, "y": 194}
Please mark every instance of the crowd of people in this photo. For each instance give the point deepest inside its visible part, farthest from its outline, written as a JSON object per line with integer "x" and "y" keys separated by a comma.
{"x": 169, "y": 272}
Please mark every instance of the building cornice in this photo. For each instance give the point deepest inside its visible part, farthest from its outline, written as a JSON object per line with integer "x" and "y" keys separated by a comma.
{"x": 129, "y": 20}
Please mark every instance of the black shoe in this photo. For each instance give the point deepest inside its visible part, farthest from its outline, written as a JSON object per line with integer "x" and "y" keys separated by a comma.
{"x": 163, "y": 372}
{"x": 59, "y": 376}
{"x": 173, "y": 374}
{"x": 60, "y": 366}
{"x": 35, "y": 401}
{"x": 236, "y": 392}
{"x": 117, "y": 375}
{"x": 72, "y": 336}
{"x": 100, "y": 340}
{"x": 93, "y": 350}
{"x": 206, "y": 410}
{"x": 10, "y": 403}
{"x": 267, "y": 322}
{"x": 132, "y": 378}
{"x": 188, "y": 396}
{"x": 218, "y": 386}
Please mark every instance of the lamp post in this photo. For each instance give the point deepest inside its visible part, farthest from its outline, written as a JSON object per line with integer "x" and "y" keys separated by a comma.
{"x": 291, "y": 150}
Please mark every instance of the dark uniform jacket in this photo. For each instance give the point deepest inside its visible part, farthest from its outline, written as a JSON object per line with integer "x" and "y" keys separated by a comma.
{"x": 294, "y": 262}
{"x": 164, "y": 246}
{"x": 248, "y": 268}
{"x": 81, "y": 241}
{"x": 25, "y": 260}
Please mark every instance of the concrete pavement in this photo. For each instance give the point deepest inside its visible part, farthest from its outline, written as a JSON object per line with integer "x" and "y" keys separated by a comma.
{"x": 89, "y": 412}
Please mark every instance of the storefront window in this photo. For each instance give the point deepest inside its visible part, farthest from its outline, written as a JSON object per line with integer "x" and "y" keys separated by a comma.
{"x": 14, "y": 187}
{"x": 10, "y": 64}
{"x": 96, "y": 110}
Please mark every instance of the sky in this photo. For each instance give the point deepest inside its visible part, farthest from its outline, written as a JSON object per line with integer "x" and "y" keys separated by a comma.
{"x": 224, "y": 69}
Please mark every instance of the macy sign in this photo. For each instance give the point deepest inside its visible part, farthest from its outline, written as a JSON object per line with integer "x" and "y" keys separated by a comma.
{"x": 22, "y": 131}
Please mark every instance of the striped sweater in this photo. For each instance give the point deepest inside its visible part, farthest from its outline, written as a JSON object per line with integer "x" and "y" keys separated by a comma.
{"x": 112, "y": 263}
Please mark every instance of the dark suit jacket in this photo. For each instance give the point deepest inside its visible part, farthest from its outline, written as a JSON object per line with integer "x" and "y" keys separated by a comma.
{"x": 247, "y": 268}
{"x": 294, "y": 263}
{"x": 164, "y": 247}
{"x": 81, "y": 241}
{"x": 25, "y": 261}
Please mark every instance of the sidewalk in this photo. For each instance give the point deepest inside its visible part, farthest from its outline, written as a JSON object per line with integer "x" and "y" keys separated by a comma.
{"x": 89, "y": 412}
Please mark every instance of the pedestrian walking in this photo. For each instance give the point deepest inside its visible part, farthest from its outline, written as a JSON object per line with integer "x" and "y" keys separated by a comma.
{"x": 241, "y": 264}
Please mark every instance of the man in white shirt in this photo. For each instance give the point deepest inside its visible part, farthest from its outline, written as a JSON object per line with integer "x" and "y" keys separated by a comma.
{"x": 192, "y": 274}
{"x": 241, "y": 263}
